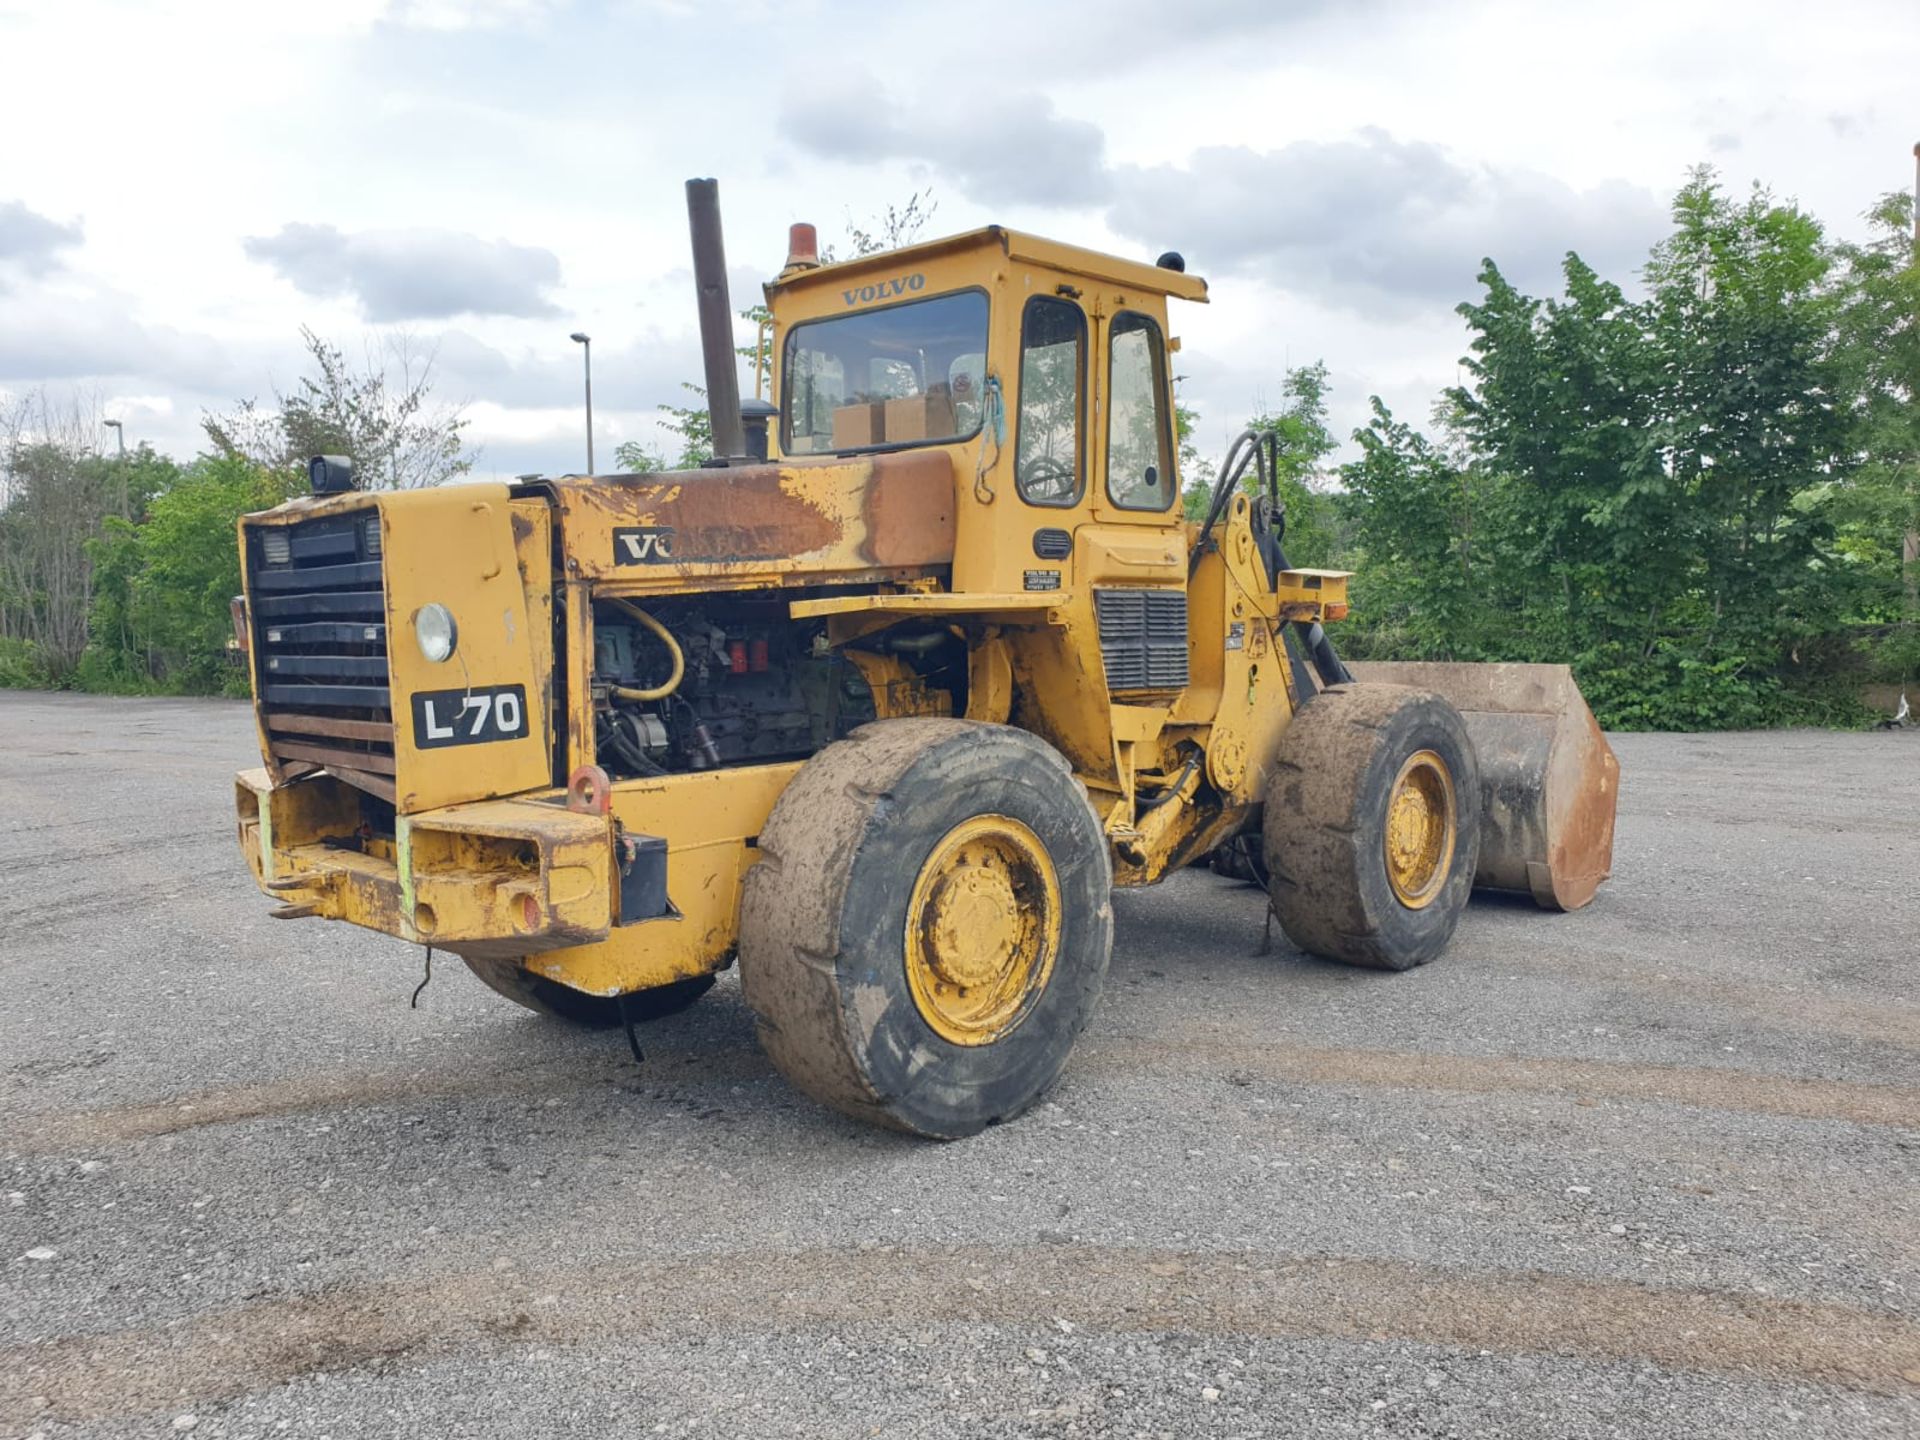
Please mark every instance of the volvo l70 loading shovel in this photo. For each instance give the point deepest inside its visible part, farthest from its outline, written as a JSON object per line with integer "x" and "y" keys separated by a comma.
{"x": 883, "y": 702}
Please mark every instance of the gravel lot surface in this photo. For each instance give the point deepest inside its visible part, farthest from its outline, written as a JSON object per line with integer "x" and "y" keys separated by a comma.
{"x": 1650, "y": 1169}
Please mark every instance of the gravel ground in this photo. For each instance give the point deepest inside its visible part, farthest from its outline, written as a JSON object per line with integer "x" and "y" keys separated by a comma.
{"x": 1651, "y": 1169}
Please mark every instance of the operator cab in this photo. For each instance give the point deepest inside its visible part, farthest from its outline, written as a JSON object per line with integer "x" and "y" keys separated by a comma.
{"x": 1041, "y": 368}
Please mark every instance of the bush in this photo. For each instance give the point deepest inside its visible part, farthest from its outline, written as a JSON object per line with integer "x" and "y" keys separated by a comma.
{"x": 23, "y": 667}
{"x": 160, "y": 621}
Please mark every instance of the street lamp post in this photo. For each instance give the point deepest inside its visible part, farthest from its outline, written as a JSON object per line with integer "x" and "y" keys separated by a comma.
{"x": 120, "y": 435}
{"x": 585, "y": 341}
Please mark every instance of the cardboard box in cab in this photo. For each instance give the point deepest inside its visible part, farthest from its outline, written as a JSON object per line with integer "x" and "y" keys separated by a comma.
{"x": 920, "y": 417}
{"x": 863, "y": 423}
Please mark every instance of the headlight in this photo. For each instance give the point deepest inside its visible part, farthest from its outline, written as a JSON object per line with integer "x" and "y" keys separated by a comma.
{"x": 433, "y": 627}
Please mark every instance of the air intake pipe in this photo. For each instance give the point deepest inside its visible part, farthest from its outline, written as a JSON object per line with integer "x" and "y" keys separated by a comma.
{"x": 716, "y": 321}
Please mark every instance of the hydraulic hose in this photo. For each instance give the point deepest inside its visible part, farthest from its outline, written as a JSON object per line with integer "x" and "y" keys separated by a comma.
{"x": 1319, "y": 648}
{"x": 1179, "y": 783}
{"x": 672, "y": 682}
{"x": 1231, "y": 469}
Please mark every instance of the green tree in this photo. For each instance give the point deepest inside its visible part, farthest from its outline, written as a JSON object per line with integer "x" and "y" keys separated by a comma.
{"x": 1878, "y": 355}
{"x": 694, "y": 425}
{"x": 381, "y": 414}
{"x": 56, "y": 493}
{"x": 1746, "y": 389}
{"x": 635, "y": 457}
{"x": 1558, "y": 409}
{"x": 1419, "y": 514}
{"x": 1195, "y": 468}
{"x": 888, "y": 229}
{"x": 165, "y": 622}
{"x": 1654, "y": 478}
{"x": 1305, "y": 443}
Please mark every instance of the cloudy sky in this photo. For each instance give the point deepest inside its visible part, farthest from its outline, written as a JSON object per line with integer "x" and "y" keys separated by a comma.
{"x": 180, "y": 192}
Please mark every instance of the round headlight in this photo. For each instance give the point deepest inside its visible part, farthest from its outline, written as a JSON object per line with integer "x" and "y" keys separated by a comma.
{"x": 433, "y": 627}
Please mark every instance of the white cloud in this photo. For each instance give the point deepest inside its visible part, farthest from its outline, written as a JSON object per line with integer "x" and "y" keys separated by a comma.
{"x": 1011, "y": 148}
{"x": 452, "y": 15}
{"x": 1377, "y": 223}
{"x": 412, "y": 274}
{"x": 30, "y": 242}
{"x": 1336, "y": 170}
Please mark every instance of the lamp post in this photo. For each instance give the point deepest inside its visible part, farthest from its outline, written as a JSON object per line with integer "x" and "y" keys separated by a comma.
{"x": 120, "y": 435}
{"x": 585, "y": 342}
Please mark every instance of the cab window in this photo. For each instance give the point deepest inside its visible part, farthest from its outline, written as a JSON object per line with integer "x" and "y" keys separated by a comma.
{"x": 1053, "y": 344}
{"x": 1138, "y": 473}
{"x": 906, "y": 374}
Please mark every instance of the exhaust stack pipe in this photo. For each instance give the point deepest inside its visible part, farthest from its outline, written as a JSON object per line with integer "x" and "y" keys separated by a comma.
{"x": 716, "y": 321}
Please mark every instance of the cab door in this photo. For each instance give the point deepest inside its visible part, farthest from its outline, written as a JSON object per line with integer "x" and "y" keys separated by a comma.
{"x": 1051, "y": 456}
{"x": 1131, "y": 552}
{"x": 1133, "y": 416}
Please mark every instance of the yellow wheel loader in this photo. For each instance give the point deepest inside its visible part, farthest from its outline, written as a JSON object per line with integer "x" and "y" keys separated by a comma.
{"x": 882, "y": 702}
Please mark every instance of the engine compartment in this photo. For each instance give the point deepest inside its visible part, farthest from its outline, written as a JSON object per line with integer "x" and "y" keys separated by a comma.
{"x": 750, "y": 685}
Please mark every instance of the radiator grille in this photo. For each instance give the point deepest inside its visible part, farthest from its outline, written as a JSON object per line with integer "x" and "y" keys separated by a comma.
{"x": 1143, "y": 638}
{"x": 320, "y": 646}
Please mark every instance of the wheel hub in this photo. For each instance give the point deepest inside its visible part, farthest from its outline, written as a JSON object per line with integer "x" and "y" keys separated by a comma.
{"x": 983, "y": 928}
{"x": 1420, "y": 829}
{"x": 975, "y": 925}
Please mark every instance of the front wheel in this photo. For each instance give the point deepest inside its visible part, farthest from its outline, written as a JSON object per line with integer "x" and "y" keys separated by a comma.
{"x": 1372, "y": 825}
{"x": 928, "y": 926}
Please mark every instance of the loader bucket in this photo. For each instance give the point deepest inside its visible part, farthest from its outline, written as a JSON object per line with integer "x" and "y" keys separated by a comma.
{"x": 1548, "y": 778}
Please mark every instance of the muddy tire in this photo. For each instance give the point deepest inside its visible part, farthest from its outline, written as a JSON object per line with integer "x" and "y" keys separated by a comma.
{"x": 598, "y": 1012}
{"x": 1372, "y": 825}
{"x": 927, "y": 930}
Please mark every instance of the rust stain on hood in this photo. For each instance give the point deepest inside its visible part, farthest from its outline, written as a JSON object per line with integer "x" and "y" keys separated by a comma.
{"x": 751, "y": 512}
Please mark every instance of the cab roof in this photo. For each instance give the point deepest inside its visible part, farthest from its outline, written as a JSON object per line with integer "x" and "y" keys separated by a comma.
{"x": 1072, "y": 259}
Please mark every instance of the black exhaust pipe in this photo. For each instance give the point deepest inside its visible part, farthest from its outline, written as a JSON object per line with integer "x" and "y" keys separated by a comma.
{"x": 716, "y": 321}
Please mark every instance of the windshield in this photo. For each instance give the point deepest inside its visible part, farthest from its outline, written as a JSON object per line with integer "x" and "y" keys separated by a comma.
{"x": 907, "y": 374}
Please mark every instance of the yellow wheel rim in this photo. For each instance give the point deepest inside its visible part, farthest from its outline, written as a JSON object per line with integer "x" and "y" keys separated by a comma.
{"x": 983, "y": 928}
{"x": 1421, "y": 825}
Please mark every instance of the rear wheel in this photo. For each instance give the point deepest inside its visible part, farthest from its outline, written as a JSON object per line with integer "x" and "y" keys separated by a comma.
{"x": 927, "y": 929}
{"x": 1372, "y": 825}
{"x": 562, "y": 1002}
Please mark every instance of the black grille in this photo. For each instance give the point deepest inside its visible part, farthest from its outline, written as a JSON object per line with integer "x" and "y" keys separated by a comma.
{"x": 1143, "y": 638}
{"x": 1052, "y": 544}
{"x": 320, "y": 642}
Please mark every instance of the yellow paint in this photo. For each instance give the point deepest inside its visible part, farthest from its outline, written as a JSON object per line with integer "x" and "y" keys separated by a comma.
{"x": 906, "y": 603}
{"x": 454, "y": 546}
{"x": 707, "y": 819}
{"x": 983, "y": 929}
{"x": 1420, "y": 831}
{"x": 485, "y": 859}
{"x": 989, "y": 680}
{"x": 489, "y": 877}
{"x": 898, "y": 690}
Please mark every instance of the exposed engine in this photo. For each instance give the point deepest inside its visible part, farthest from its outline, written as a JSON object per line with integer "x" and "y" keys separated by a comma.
{"x": 748, "y": 684}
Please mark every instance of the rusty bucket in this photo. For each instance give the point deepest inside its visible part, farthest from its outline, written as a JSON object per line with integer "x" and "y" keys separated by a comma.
{"x": 1548, "y": 778}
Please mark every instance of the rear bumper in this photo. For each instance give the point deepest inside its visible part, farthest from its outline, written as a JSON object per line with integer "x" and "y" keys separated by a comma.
{"x": 496, "y": 878}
